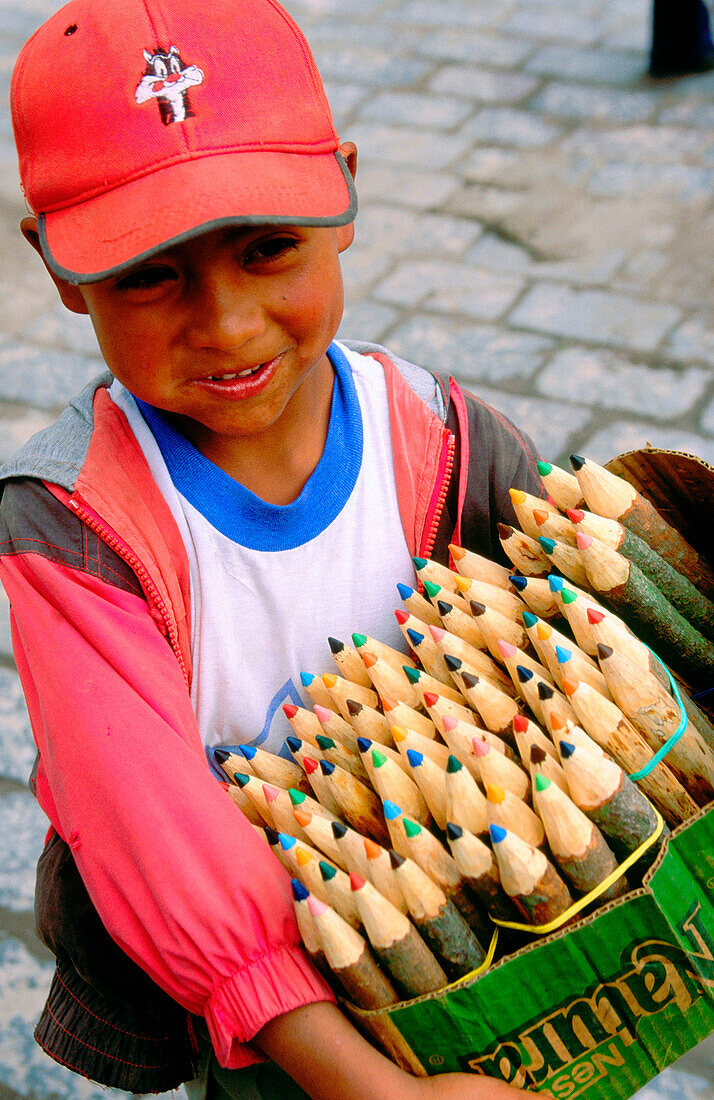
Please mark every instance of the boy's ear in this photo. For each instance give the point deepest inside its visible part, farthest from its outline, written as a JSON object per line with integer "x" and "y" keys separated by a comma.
{"x": 70, "y": 294}
{"x": 346, "y": 233}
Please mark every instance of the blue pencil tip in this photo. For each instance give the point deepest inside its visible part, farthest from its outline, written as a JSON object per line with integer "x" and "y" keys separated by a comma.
{"x": 306, "y": 678}
{"x": 524, "y": 674}
{"x": 248, "y": 751}
{"x": 293, "y": 743}
{"x": 415, "y": 758}
{"x": 286, "y": 841}
{"x": 497, "y": 833}
{"x": 566, "y": 749}
{"x": 364, "y": 744}
{"x": 391, "y": 810}
{"x": 555, "y": 583}
{"x": 300, "y": 892}
{"x": 405, "y": 591}
{"x": 562, "y": 654}
{"x": 519, "y": 582}
{"x": 415, "y": 636}
{"x": 529, "y": 618}
{"x": 326, "y": 767}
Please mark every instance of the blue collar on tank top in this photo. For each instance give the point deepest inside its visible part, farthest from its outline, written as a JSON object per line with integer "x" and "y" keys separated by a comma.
{"x": 242, "y": 516}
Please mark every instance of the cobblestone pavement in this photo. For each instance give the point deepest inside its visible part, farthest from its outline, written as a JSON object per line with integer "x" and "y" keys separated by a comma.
{"x": 535, "y": 216}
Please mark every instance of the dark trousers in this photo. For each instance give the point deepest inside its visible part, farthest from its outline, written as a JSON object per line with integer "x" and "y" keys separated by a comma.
{"x": 681, "y": 37}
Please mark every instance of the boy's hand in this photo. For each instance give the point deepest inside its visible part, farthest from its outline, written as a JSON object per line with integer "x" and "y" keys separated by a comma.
{"x": 330, "y": 1060}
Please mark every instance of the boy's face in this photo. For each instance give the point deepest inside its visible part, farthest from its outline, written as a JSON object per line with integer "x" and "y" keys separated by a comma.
{"x": 223, "y": 331}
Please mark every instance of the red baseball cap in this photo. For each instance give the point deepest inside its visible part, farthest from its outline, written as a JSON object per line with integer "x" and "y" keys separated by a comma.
{"x": 141, "y": 123}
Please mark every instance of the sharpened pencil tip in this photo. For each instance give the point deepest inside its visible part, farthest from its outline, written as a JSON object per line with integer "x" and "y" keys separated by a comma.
{"x": 336, "y": 646}
{"x": 405, "y": 591}
{"x": 497, "y": 833}
{"x": 577, "y": 462}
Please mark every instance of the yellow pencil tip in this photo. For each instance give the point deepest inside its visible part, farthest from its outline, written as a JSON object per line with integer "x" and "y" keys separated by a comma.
{"x": 544, "y": 631}
{"x": 329, "y": 679}
{"x": 517, "y": 496}
{"x": 495, "y": 794}
{"x": 302, "y": 856}
{"x": 463, "y": 583}
{"x": 399, "y": 733}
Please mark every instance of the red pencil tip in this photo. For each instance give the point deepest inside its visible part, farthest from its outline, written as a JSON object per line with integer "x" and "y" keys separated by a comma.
{"x": 356, "y": 881}
{"x": 431, "y": 698}
{"x": 520, "y": 723}
{"x": 575, "y": 515}
{"x": 289, "y": 710}
{"x": 594, "y": 617}
{"x": 402, "y": 616}
{"x": 309, "y": 764}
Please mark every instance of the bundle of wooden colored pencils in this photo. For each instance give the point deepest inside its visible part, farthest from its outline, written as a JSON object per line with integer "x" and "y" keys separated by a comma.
{"x": 487, "y": 777}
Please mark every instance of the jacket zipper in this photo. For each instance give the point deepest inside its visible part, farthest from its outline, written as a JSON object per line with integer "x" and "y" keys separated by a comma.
{"x": 438, "y": 498}
{"x": 106, "y": 534}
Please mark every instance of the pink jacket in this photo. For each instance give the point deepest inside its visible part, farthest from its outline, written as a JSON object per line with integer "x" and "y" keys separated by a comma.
{"x": 173, "y": 868}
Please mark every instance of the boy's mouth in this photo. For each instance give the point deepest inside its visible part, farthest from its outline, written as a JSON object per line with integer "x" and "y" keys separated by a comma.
{"x": 244, "y": 383}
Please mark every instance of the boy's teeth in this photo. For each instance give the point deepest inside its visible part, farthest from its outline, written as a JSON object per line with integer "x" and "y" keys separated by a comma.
{"x": 227, "y": 377}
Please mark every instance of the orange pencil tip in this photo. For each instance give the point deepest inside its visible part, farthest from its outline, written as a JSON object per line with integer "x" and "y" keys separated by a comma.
{"x": 399, "y": 733}
{"x": 373, "y": 850}
{"x": 457, "y": 552}
{"x": 302, "y": 817}
{"x": 543, "y": 631}
{"x": 369, "y": 660}
{"x": 557, "y": 722}
{"x": 569, "y": 686}
{"x": 389, "y": 702}
{"x": 539, "y": 517}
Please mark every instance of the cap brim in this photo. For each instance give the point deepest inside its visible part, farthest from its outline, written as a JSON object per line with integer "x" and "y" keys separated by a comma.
{"x": 104, "y": 236}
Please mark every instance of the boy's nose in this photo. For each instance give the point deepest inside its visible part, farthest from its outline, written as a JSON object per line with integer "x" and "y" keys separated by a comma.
{"x": 225, "y": 316}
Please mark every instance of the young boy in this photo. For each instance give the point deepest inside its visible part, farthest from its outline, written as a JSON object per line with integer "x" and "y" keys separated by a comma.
{"x": 179, "y": 545}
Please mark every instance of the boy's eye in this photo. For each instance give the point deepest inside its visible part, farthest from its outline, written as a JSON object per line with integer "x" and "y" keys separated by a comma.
{"x": 272, "y": 248}
{"x": 147, "y": 278}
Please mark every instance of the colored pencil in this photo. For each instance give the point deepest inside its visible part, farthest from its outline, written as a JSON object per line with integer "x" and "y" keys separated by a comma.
{"x": 366, "y": 748}
{"x": 252, "y": 787}
{"x": 495, "y": 708}
{"x": 340, "y": 690}
{"x": 429, "y": 654}
{"x": 459, "y": 738}
{"x": 390, "y": 680}
{"x": 524, "y": 552}
{"x": 318, "y": 830}
{"x": 470, "y": 564}
{"x": 424, "y": 683}
{"x": 477, "y": 660}
{"x": 576, "y": 607}
{"x": 528, "y": 684}
{"x": 433, "y": 571}
{"x": 418, "y": 605}
{"x": 545, "y": 640}
{"x": 307, "y": 867}
{"x": 554, "y": 705}
{"x": 608, "y": 726}
{"x": 513, "y": 657}
{"x": 531, "y": 734}
{"x": 570, "y": 660}
{"x": 305, "y": 724}
{"x": 274, "y": 769}
{"x": 360, "y": 806}
{"x": 465, "y": 801}
{"x": 499, "y": 771}
{"x": 529, "y": 878}
{"x": 231, "y": 763}
{"x": 437, "y": 919}
{"x": 398, "y": 713}
{"x": 281, "y": 808}
{"x": 319, "y": 785}
{"x": 394, "y": 819}
{"x": 494, "y": 626}
{"x": 406, "y": 739}
{"x": 499, "y": 599}
{"x": 350, "y": 959}
{"x": 301, "y": 801}
{"x": 565, "y": 559}
{"x": 536, "y": 593}
{"x": 381, "y": 873}
{"x": 653, "y": 711}
{"x": 648, "y": 612}
{"x": 615, "y": 498}
{"x": 562, "y": 486}
{"x": 477, "y": 864}
{"x": 307, "y": 928}
{"x": 396, "y": 942}
{"x": 335, "y": 726}
{"x": 504, "y": 809}
{"x": 244, "y": 804}
{"x": 317, "y": 691}
{"x": 523, "y": 504}
{"x": 348, "y": 661}
{"x": 437, "y": 592}
{"x": 541, "y": 763}
{"x": 433, "y": 858}
{"x": 368, "y": 722}
{"x": 556, "y": 526}
{"x": 578, "y": 847}
{"x": 338, "y": 753}
{"x": 394, "y": 657}
{"x": 393, "y": 784}
{"x": 430, "y": 778}
{"x": 601, "y": 789}
{"x": 461, "y": 623}
{"x": 339, "y": 893}
{"x": 350, "y": 845}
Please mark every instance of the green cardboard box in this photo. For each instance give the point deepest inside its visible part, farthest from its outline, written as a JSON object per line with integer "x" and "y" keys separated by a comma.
{"x": 595, "y": 1010}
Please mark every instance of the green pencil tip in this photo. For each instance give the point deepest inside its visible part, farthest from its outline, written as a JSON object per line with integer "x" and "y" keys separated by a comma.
{"x": 359, "y": 640}
{"x": 412, "y": 674}
{"x": 453, "y": 764}
{"x": 327, "y": 871}
{"x": 378, "y": 758}
{"x": 541, "y": 783}
{"x": 296, "y": 797}
{"x": 432, "y": 589}
{"x": 567, "y": 596}
{"x": 544, "y": 468}
{"x": 411, "y": 828}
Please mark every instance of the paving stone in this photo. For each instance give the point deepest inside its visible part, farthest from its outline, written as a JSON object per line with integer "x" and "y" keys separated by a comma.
{"x": 472, "y": 352}
{"x": 553, "y": 428}
{"x": 18, "y": 747}
{"x": 45, "y": 377}
{"x": 693, "y": 339}
{"x": 375, "y": 68}
{"x": 343, "y": 100}
{"x": 489, "y": 204}
{"x": 419, "y": 190}
{"x": 627, "y": 435}
{"x": 24, "y": 1067}
{"x": 570, "y": 100}
{"x": 596, "y": 316}
{"x": 685, "y": 181}
{"x": 413, "y": 233}
{"x": 366, "y": 321}
{"x": 475, "y": 48}
{"x": 59, "y": 327}
{"x": 510, "y": 126}
{"x": 609, "y": 381}
{"x": 485, "y": 85}
{"x": 16, "y": 430}
{"x": 493, "y": 251}
{"x": 597, "y": 268}
{"x": 708, "y": 418}
{"x": 460, "y": 14}
{"x": 23, "y": 826}
{"x": 492, "y": 164}
{"x": 417, "y": 148}
{"x": 559, "y": 24}
{"x": 442, "y": 112}
{"x": 616, "y": 67}
{"x": 450, "y": 288}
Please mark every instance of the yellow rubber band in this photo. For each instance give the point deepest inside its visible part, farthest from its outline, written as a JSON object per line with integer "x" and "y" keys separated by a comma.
{"x": 484, "y": 965}
{"x": 582, "y": 903}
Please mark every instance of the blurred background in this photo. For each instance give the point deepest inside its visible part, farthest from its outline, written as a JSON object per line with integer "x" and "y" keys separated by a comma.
{"x": 536, "y": 217}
